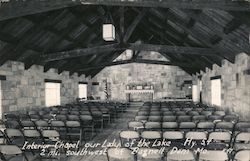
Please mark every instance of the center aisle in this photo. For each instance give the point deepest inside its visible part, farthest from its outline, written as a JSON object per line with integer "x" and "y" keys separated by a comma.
{"x": 110, "y": 133}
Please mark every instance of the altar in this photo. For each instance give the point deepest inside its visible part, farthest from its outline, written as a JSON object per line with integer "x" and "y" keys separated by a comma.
{"x": 138, "y": 93}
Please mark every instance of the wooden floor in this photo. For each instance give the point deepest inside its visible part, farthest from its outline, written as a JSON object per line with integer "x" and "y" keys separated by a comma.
{"x": 110, "y": 133}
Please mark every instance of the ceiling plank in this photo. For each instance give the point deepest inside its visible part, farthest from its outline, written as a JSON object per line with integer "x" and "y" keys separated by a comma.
{"x": 232, "y": 25}
{"x": 244, "y": 17}
{"x": 14, "y": 9}
{"x": 82, "y": 20}
{"x": 198, "y": 35}
{"x": 216, "y": 28}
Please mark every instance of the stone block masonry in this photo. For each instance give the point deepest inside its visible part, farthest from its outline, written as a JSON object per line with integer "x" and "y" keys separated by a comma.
{"x": 166, "y": 81}
{"x": 25, "y": 89}
{"x": 235, "y": 88}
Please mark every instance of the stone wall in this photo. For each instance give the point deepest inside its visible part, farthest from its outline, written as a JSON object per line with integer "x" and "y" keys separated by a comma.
{"x": 235, "y": 85}
{"x": 167, "y": 80}
{"x": 24, "y": 89}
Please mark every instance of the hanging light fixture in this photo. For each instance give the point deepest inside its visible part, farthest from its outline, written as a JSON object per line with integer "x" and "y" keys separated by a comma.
{"x": 108, "y": 32}
{"x": 108, "y": 29}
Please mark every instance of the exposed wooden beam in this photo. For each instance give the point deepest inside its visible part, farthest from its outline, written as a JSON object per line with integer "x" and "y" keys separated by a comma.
{"x": 15, "y": 9}
{"x": 73, "y": 64}
{"x": 144, "y": 61}
{"x": 79, "y": 52}
{"x": 134, "y": 46}
{"x": 159, "y": 62}
{"x": 105, "y": 65}
{"x": 205, "y": 4}
{"x": 172, "y": 49}
{"x": 133, "y": 25}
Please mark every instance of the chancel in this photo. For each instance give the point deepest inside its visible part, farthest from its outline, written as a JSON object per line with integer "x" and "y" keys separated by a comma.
{"x": 125, "y": 80}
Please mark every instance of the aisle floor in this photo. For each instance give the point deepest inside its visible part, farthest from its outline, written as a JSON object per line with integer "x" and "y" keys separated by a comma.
{"x": 110, "y": 134}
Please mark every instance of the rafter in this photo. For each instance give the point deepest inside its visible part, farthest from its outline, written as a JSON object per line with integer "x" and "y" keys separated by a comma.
{"x": 73, "y": 64}
{"x": 79, "y": 52}
{"x": 134, "y": 24}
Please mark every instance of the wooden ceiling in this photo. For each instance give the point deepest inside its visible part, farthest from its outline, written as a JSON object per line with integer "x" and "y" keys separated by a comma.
{"x": 67, "y": 34}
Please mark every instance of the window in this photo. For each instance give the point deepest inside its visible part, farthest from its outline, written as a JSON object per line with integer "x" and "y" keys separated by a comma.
{"x": 195, "y": 93}
{"x": 200, "y": 86}
{"x": 83, "y": 91}
{"x": 52, "y": 94}
{"x": 2, "y": 78}
{"x": 216, "y": 92}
